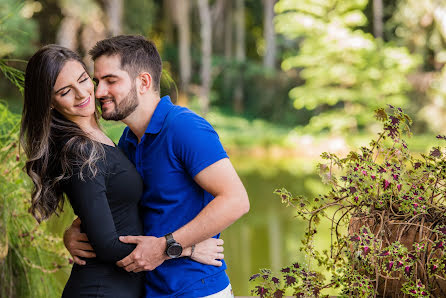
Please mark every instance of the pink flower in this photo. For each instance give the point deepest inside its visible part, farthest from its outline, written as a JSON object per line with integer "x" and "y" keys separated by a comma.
{"x": 386, "y": 184}
{"x": 373, "y": 177}
{"x": 364, "y": 172}
{"x": 399, "y": 187}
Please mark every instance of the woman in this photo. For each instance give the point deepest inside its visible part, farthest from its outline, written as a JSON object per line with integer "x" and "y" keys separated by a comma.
{"x": 68, "y": 153}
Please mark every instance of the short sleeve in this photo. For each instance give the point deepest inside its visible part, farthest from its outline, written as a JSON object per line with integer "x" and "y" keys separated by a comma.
{"x": 195, "y": 142}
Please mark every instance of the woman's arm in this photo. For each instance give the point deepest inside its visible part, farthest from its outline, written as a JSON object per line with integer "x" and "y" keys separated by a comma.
{"x": 89, "y": 200}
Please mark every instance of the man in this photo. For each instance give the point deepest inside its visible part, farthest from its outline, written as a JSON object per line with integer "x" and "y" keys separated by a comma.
{"x": 191, "y": 192}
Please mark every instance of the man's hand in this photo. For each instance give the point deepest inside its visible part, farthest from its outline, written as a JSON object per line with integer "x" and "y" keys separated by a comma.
{"x": 148, "y": 254}
{"x": 77, "y": 243}
{"x": 209, "y": 252}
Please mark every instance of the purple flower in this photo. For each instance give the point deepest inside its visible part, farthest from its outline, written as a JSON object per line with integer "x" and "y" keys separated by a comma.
{"x": 254, "y": 276}
{"x": 407, "y": 270}
{"x": 275, "y": 280}
{"x": 385, "y": 253}
{"x": 443, "y": 230}
{"x": 386, "y": 184}
{"x": 395, "y": 177}
{"x": 417, "y": 165}
{"x": 265, "y": 276}
{"x": 399, "y": 187}
{"x": 296, "y": 265}
{"x": 366, "y": 250}
{"x": 434, "y": 268}
{"x": 261, "y": 291}
{"x": 278, "y": 293}
{"x": 415, "y": 205}
{"x": 389, "y": 266}
{"x": 439, "y": 245}
{"x": 355, "y": 238}
{"x": 382, "y": 170}
{"x": 373, "y": 177}
{"x": 285, "y": 270}
{"x": 289, "y": 280}
{"x": 352, "y": 189}
{"x": 399, "y": 264}
{"x": 356, "y": 199}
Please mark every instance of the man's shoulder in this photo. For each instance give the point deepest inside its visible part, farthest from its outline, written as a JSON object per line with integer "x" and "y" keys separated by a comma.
{"x": 183, "y": 119}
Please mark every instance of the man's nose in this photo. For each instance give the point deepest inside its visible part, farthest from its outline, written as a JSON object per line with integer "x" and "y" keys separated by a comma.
{"x": 100, "y": 91}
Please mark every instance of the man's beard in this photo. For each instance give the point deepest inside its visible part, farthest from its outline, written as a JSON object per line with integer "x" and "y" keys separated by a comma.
{"x": 125, "y": 107}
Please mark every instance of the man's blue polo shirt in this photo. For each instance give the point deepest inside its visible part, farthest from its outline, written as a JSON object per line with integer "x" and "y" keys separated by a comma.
{"x": 176, "y": 146}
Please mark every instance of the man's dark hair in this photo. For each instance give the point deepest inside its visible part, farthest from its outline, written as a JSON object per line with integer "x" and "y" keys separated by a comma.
{"x": 137, "y": 55}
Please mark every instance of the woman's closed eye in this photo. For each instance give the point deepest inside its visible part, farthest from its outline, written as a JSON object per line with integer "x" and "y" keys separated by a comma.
{"x": 65, "y": 93}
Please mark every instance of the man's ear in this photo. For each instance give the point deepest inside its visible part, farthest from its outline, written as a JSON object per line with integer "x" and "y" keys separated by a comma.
{"x": 144, "y": 82}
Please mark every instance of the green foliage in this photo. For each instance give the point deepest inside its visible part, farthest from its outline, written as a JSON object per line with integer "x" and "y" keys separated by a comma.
{"x": 17, "y": 31}
{"x": 346, "y": 71}
{"x": 387, "y": 210}
{"x": 139, "y": 16}
{"x": 27, "y": 250}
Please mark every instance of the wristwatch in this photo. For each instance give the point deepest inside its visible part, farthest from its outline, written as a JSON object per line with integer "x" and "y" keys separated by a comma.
{"x": 173, "y": 248}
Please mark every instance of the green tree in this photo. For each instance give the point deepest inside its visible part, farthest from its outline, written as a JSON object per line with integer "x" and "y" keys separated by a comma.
{"x": 17, "y": 30}
{"x": 347, "y": 72}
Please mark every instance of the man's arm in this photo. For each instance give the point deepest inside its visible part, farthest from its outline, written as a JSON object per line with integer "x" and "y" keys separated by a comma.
{"x": 230, "y": 203}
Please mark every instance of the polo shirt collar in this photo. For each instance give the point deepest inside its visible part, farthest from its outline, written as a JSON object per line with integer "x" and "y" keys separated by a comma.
{"x": 159, "y": 115}
{"x": 156, "y": 123}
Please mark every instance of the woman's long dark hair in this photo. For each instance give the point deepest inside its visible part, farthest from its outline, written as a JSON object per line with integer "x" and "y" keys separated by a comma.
{"x": 52, "y": 143}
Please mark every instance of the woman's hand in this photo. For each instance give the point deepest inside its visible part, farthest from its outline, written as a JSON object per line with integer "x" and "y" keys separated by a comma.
{"x": 208, "y": 252}
{"x": 77, "y": 243}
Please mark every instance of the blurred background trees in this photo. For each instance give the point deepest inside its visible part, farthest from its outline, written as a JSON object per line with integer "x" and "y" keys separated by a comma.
{"x": 294, "y": 63}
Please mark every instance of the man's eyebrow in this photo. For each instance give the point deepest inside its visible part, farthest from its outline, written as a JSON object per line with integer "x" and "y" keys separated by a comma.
{"x": 105, "y": 77}
{"x": 70, "y": 85}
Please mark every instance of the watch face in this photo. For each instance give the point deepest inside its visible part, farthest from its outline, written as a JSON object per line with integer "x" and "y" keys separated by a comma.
{"x": 174, "y": 251}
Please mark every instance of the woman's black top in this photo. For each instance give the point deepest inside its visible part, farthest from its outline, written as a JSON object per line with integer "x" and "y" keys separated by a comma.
{"x": 107, "y": 205}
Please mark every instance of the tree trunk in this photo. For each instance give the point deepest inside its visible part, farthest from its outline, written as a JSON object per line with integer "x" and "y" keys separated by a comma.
{"x": 228, "y": 47}
{"x": 240, "y": 52}
{"x": 68, "y": 31}
{"x": 114, "y": 10}
{"x": 181, "y": 18}
{"x": 217, "y": 17}
{"x": 378, "y": 18}
{"x": 269, "y": 33}
{"x": 206, "y": 53}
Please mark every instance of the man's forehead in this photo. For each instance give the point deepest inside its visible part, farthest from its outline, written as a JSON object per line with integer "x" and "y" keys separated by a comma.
{"x": 108, "y": 65}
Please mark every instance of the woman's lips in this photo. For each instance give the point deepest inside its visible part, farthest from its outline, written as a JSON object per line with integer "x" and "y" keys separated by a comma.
{"x": 84, "y": 103}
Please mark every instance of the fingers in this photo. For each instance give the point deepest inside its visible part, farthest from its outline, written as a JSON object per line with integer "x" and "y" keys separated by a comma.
{"x": 220, "y": 256}
{"x": 216, "y": 263}
{"x": 84, "y": 254}
{"x": 78, "y": 261}
{"x": 131, "y": 267}
{"x": 82, "y": 237}
{"x": 83, "y": 246}
{"x": 76, "y": 222}
{"x": 130, "y": 239}
{"x": 220, "y": 249}
{"x": 220, "y": 242}
{"x": 125, "y": 262}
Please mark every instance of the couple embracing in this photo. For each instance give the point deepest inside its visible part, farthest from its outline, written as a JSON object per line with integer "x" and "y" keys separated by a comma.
{"x": 150, "y": 209}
